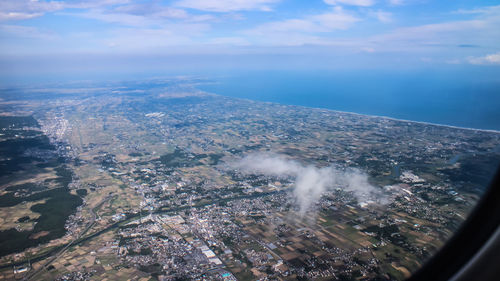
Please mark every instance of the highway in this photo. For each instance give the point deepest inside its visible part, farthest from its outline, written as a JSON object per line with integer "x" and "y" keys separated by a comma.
{"x": 32, "y": 275}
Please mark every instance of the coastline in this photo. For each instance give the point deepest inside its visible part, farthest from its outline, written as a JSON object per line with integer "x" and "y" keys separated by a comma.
{"x": 364, "y": 115}
{"x": 421, "y": 122}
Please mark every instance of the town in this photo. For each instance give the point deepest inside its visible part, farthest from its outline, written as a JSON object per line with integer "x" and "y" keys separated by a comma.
{"x": 156, "y": 195}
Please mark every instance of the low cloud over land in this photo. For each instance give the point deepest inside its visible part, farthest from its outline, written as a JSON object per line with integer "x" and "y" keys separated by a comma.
{"x": 310, "y": 181}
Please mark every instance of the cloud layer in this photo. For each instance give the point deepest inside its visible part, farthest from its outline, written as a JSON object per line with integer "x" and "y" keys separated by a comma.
{"x": 310, "y": 182}
{"x": 227, "y": 5}
{"x": 491, "y": 59}
{"x": 357, "y": 31}
{"x": 362, "y": 3}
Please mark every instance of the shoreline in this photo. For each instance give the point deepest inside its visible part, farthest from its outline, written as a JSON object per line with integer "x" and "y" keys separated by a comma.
{"x": 364, "y": 115}
{"x": 418, "y": 122}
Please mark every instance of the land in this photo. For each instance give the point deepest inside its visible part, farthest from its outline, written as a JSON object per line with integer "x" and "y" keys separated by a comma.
{"x": 133, "y": 181}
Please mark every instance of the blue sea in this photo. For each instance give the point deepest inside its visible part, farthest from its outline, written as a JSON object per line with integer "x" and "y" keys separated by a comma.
{"x": 468, "y": 99}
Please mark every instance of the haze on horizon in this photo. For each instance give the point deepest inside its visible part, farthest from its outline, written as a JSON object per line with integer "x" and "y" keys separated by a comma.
{"x": 81, "y": 38}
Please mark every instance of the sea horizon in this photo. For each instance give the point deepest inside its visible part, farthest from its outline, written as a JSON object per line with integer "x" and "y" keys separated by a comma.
{"x": 370, "y": 115}
{"x": 438, "y": 101}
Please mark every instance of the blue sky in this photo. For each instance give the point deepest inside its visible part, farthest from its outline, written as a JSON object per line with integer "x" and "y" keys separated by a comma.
{"x": 291, "y": 33}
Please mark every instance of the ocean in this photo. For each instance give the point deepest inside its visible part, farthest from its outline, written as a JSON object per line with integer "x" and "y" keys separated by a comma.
{"x": 456, "y": 98}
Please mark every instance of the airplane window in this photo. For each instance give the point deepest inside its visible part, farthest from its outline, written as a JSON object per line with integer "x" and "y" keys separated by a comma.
{"x": 242, "y": 139}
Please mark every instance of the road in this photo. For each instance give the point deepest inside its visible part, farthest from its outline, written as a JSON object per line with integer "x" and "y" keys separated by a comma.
{"x": 63, "y": 250}
{"x": 83, "y": 238}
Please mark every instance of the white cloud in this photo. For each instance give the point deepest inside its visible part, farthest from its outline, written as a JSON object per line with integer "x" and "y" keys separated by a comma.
{"x": 311, "y": 182}
{"x": 141, "y": 15}
{"x": 26, "y": 9}
{"x": 326, "y": 29}
{"x": 18, "y": 16}
{"x": 149, "y": 14}
{"x": 433, "y": 36}
{"x": 484, "y": 10}
{"x": 432, "y": 39}
{"x": 227, "y": 5}
{"x": 150, "y": 9}
{"x": 337, "y": 19}
{"x": 491, "y": 59}
{"x": 362, "y": 3}
{"x": 121, "y": 18}
{"x": 295, "y": 25}
{"x": 301, "y": 31}
{"x": 92, "y": 4}
{"x": 147, "y": 38}
{"x": 384, "y": 17}
{"x": 481, "y": 30}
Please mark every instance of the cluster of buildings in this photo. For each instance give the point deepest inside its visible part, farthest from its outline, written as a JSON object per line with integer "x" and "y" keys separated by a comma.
{"x": 200, "y": 220}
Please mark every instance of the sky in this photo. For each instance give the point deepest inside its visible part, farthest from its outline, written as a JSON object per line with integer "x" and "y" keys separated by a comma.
{"x": 39, "y": 36}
